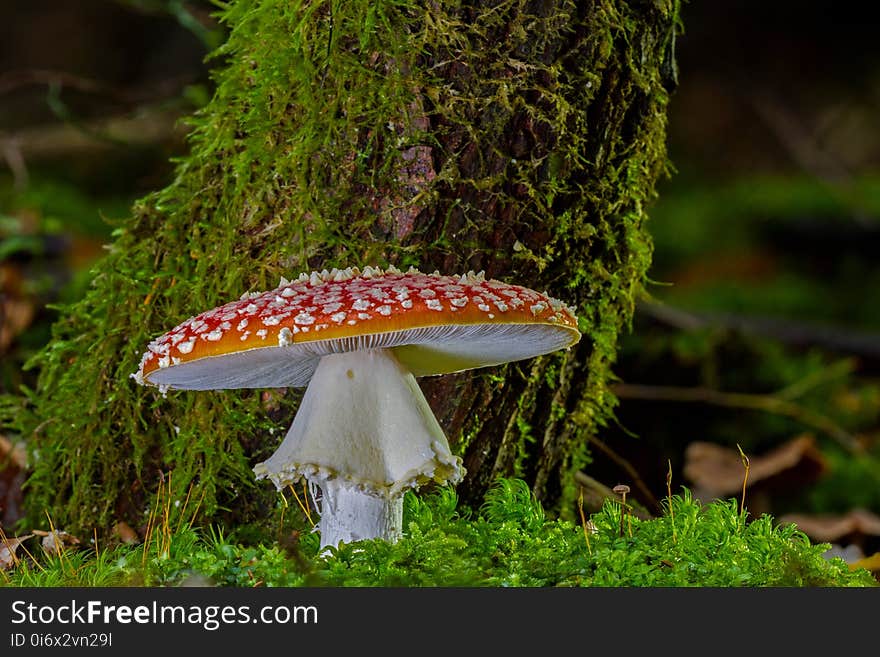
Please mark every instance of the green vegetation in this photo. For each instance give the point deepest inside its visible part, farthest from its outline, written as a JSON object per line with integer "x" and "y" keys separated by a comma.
{"x": 518, "y": 139}
{"x": 291, "y": 167}
{"x": 764, "y": 277}
{"x": 781, "y": 245}
{"x": 510, "y": 542}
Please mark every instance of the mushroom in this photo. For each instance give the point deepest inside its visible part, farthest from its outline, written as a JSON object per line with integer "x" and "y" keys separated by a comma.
{"x": 364, "y": 432}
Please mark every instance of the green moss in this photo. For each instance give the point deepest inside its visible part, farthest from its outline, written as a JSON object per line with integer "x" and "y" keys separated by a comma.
{"x": 509, "y": 542}
{"x": 545, "y": 127}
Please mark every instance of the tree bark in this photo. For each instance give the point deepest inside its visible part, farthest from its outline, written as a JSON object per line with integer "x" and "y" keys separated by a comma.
{"x": 520, "y": 138}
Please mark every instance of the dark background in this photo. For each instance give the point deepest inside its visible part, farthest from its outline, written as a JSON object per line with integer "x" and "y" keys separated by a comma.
{"x": 763, "y": 324}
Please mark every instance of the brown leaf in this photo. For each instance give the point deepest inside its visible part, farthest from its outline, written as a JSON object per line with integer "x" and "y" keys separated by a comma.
{"x": 56, "y": 541}
{"x": 8, "y": 546}
{"x": 125, "y": 533}
{"x": 16, "y": 312}
{"x": 871, "y": 563}
{"x": 717, "y": 471}
{"x": 828, "y": 528}
{"x": 13, "y": 461}
{"x": 13, "y": 454}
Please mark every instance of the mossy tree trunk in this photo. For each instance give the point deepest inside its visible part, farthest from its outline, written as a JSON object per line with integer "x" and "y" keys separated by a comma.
{"x": 520, "y": 138}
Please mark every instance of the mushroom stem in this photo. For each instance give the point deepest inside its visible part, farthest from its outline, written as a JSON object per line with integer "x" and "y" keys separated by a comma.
{"x": 349, "y": 515}
{"x": 364, "y": 434}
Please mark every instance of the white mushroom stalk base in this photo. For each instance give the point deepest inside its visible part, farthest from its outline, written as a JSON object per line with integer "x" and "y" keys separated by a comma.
{"x": 349, "y": 515}
{"x": 364, "y": 434}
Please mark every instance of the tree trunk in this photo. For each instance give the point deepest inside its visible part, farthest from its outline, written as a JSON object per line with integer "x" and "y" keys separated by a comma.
{"x": 520, "y": 138}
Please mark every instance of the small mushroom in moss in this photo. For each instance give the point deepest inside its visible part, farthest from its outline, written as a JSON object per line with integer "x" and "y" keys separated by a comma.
{"x": 364, "y": 433}
{"x": 622, "y": 490}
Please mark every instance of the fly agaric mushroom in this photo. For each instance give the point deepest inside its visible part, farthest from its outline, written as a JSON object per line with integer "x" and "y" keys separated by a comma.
{"x": 363, "y": 433}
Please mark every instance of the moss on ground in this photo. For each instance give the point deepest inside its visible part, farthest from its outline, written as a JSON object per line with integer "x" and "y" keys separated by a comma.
{"x": 510, "y": 542}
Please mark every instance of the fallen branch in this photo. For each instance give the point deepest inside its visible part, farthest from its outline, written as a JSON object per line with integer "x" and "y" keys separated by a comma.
{"x": 740, "y": 400}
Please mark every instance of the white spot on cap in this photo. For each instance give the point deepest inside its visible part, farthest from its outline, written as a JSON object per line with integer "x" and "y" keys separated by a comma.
{"x": 427, "y": 293}
{"x": 384, "y": 310}
{"x": 361, "y": 304}
{"x": 186, "y": 347}
{"x": 434, "y": 304}
{"x": 338, "y": 317}
{"x": 406, "y": 303}
{"x": 262, "y": 333}
{"x": 214, "y": 335}
{"x": 304, "y": 318}
{"x": 461, "y": 302}
{"x": 285, "y": 337}
{"x": 242, "y": 324}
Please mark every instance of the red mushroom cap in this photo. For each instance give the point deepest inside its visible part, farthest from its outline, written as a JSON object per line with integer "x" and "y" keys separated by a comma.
{"x": 433, "y": 323}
